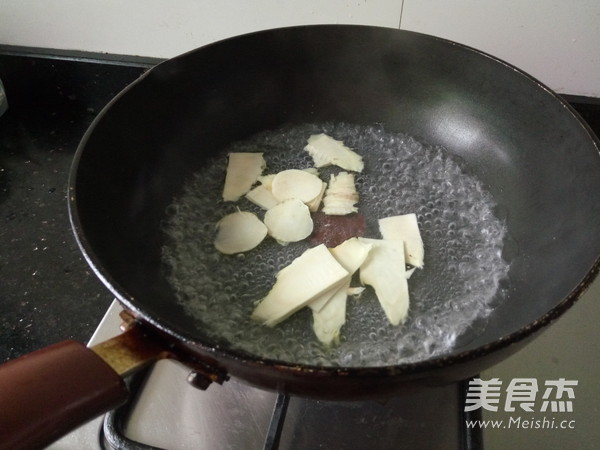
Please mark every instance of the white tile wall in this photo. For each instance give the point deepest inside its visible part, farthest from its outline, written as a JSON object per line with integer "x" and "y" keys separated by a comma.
{"x": 165, "y": 28}
{"x": 556, "y": 41}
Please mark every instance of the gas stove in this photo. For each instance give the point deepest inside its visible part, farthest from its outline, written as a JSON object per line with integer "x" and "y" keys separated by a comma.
{"x": 48, "y": 293}
{"x": 167, "y": 412}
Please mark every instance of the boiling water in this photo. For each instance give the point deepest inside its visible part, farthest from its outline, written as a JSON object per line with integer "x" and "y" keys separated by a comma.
{"x": 462, "y": 237}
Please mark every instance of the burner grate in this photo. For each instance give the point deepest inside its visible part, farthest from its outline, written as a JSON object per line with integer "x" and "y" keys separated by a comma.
{"x": 112, "y": 432}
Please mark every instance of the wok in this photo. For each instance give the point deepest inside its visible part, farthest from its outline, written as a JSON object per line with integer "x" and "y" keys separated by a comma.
{"x": 535, "y": 156}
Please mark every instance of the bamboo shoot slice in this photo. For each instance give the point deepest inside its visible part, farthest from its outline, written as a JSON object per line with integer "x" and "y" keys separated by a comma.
{"x": 405, "y": 228}
{"x": 261, "y": 196}
{"x": 328, "y": 321}
{"x": 355, "y": 292}
{"x": 308, "y": 276}
{"x": 239, "y": 232}
{"x": 341, "y": 195}
{"x": 267, "y": 180}
{"x": 294, "y": 183}
{"x": 384, "y": 270}
{"x": 289, "y": 221}
{"x": 329, "y": 311}
{"x": 351, "y": 254}
{"x": 243, "y": 169}
{"x": 326, "y": 151}
{"x": 314, "y": 204}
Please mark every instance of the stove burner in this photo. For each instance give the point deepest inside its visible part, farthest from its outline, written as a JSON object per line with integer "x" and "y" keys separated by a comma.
{"x": 276, "y": 424}
{"x": 112, "y": 435}
{"x": 112, "y": 429}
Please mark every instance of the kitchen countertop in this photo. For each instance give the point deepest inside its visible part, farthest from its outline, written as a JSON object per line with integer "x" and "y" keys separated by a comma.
{"x": 47, "y": 291}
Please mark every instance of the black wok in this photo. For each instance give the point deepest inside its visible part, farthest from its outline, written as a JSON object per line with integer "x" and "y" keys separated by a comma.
{"x": 535, "y": 156}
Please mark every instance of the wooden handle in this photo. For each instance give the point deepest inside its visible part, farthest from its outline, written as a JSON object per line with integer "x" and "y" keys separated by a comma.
{"x": 47, "y": 393}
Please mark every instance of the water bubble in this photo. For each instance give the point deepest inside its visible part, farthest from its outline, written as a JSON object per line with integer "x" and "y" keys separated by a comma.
{"x": 463, "y": 237}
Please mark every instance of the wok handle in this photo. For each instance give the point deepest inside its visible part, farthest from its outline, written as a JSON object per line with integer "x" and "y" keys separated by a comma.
{"x": 47, "y": 393}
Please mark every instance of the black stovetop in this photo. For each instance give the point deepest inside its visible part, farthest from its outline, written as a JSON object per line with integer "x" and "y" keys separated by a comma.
{"x": 47, "y": 291}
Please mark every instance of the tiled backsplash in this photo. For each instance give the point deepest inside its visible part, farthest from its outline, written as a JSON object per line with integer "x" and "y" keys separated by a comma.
{"x": 554, "y": 41}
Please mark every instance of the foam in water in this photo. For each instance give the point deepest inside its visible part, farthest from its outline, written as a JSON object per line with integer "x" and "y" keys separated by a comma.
{"x": 462, "y": 237}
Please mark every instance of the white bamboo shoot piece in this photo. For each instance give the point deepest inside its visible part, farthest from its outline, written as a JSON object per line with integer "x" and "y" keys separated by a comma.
{"x": 384, "y": 270}
{"x": 239, "y": 232}
{"x": 341, "y": 195}
{"x": 261, "y": 196}
{"x": 326, "y": 151}
{"x": 289, "y": 221}
{"x": 314, "y": 204}
{"x": 243, "y": 169}
{"x": 307, "y": 277}
{"x": 329, "y": 312}
{"x": 267, "y": 180}
{"x": 355, "y": 292}
{"x": 328, "y": 321}
{"x": 405, "y": 228}
{"x": 351, "y": 254}
{"x": 294, "y": 183}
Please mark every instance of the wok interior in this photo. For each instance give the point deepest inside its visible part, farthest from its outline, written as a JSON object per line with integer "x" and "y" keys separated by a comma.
{"x": 536, "y": 159}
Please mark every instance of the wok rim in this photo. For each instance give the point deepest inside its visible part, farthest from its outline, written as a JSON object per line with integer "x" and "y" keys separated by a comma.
{"x": 224, "y": 353}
